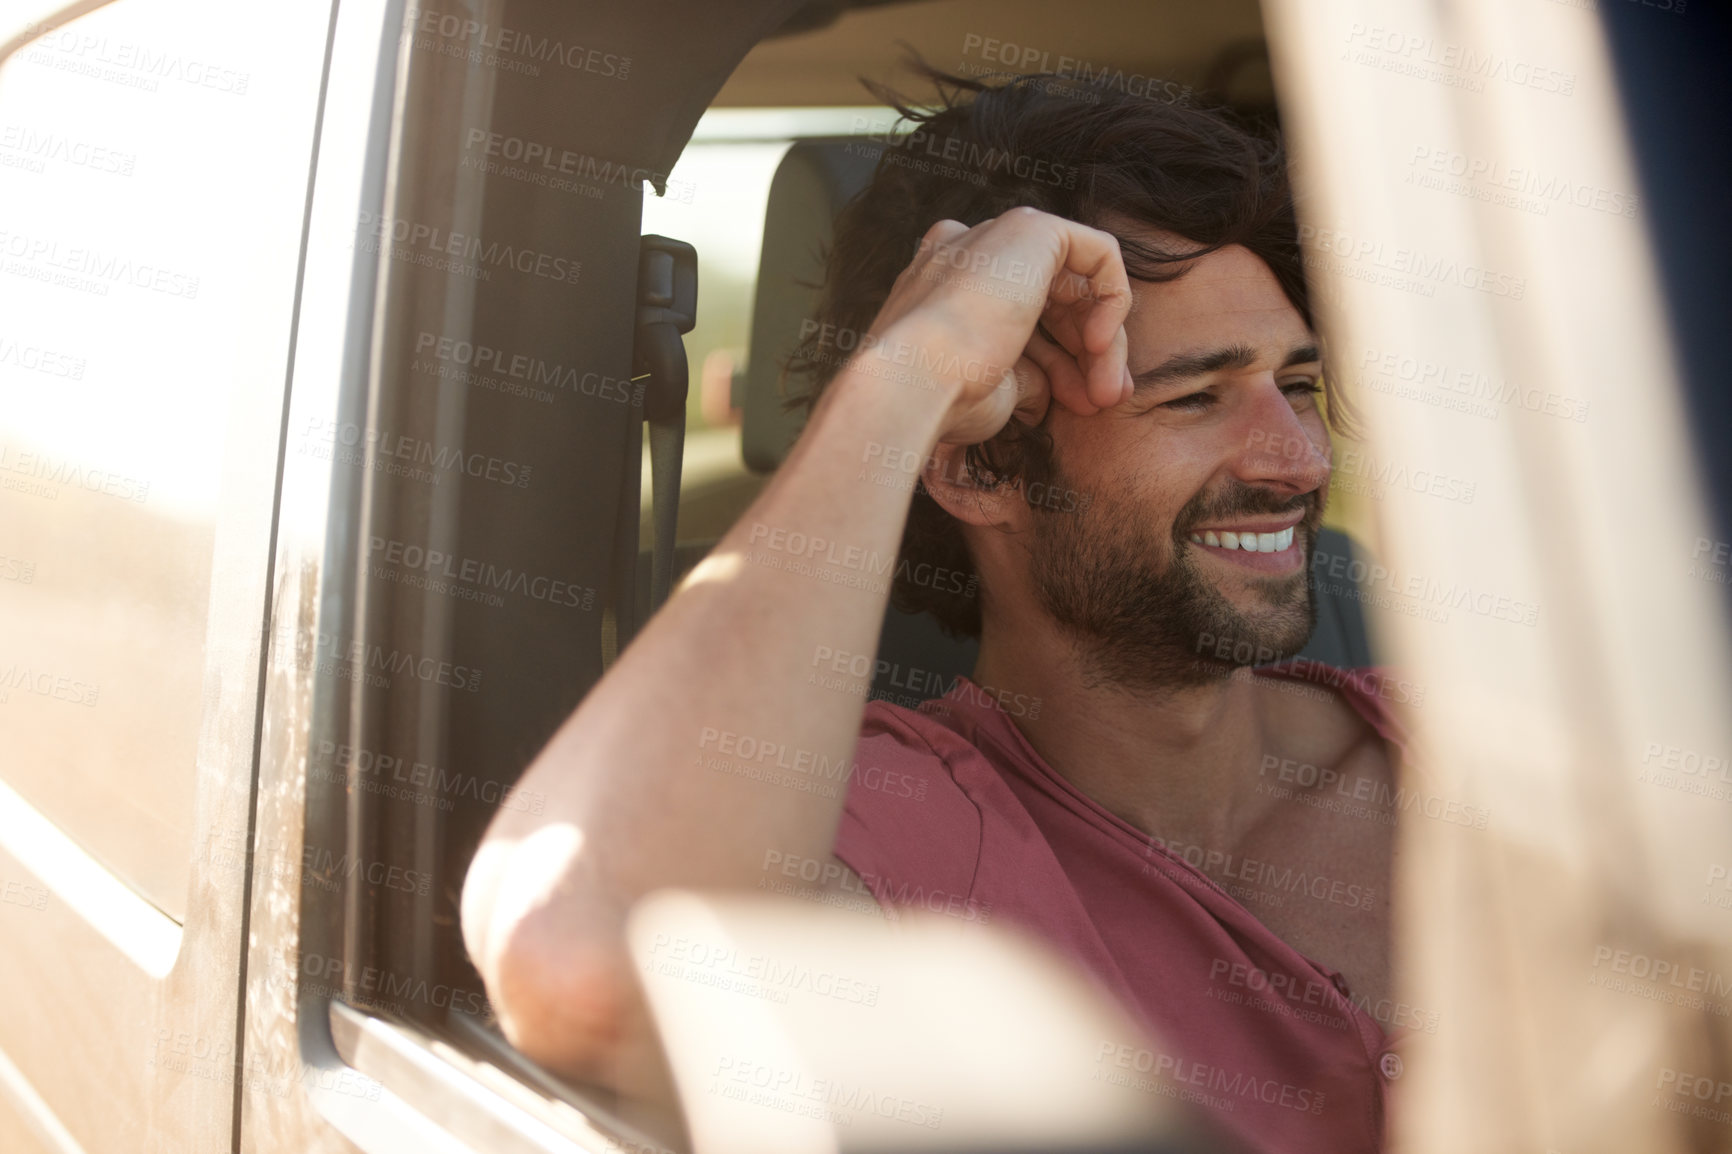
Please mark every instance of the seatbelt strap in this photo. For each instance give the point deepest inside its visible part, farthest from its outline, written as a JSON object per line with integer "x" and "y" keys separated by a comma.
{"x": 667, "y": 308}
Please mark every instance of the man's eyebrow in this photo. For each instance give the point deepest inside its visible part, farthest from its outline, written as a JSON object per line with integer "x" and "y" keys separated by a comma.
{"x": 1238, "y": 356}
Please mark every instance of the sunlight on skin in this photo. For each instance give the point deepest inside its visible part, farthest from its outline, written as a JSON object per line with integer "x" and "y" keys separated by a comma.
{"x": 529, "y": 871}
{"x": 714, "y": 569}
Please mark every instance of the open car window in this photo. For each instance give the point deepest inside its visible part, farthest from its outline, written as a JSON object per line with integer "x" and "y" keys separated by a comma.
{"x": 524, "y": 406}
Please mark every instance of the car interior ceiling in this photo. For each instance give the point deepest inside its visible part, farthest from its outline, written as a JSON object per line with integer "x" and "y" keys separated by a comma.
{"x": 584, "y": 511}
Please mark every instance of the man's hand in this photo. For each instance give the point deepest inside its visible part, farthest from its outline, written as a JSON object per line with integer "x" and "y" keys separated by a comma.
{"x": 985, "y": 301}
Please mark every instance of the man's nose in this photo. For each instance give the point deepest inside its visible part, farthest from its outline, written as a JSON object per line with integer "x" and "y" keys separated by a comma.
{"x": 1276, "y": 449}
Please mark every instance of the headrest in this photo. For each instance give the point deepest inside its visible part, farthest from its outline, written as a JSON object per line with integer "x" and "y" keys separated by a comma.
{"x": 815, "y": 179}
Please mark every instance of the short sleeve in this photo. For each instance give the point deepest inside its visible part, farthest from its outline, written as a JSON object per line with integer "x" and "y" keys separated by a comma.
{"x": 907, "y": 828}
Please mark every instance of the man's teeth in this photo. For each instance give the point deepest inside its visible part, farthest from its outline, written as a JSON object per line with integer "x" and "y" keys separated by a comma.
{"x": 1249, "y": 542}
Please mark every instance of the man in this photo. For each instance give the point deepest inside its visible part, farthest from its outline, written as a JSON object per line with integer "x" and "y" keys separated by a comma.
{"x": 1155, "y": 817}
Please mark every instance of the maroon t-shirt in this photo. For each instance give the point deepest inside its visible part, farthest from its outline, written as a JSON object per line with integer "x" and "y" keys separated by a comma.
{"x": 978, "y": 826}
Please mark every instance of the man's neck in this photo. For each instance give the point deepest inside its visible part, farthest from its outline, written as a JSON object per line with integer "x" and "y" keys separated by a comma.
{"x": 1179, "y": 763}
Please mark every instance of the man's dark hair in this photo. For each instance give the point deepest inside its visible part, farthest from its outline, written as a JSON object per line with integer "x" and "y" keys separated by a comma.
{"x": 1083, "y": 152}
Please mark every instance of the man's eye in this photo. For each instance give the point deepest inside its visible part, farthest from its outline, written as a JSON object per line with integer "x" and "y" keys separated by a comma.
{"x": 1298, "y": 387}
{"x": 1191, "y": 402}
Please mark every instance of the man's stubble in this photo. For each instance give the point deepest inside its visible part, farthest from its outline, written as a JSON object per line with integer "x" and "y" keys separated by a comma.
{"x": 1141, "y": 610}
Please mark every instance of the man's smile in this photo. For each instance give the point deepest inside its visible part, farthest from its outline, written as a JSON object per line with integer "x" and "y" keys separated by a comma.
{"x": 1266, "y": 546}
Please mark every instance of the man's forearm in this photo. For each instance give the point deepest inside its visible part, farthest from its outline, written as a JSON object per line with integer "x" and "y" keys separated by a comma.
{"x": 719, "y": 676}
{"x": 706, "y": 746}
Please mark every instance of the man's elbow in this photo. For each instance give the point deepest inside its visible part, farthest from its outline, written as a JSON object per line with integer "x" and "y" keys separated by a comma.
{"x": 565, "y": 995}
{"x": 567, "y": 1005}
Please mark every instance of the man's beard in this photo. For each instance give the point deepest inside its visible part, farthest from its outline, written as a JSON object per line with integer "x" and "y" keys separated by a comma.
{"x": 1141, "y": 625}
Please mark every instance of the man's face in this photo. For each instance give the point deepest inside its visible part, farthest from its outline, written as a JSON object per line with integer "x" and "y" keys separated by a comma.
{"x": 1206, "y": 488}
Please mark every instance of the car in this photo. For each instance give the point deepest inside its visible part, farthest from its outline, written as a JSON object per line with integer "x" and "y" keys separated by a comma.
{"x": 370, "y": 371}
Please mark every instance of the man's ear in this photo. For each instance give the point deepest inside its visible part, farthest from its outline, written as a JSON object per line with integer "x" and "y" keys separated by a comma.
{"x": 958, "y": 493}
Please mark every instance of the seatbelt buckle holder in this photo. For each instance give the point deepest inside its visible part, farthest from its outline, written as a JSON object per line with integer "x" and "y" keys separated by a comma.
{"x": 667, "y": 308}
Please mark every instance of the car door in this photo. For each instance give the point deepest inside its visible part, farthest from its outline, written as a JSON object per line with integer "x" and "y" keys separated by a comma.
{"x": 154, "y": 162}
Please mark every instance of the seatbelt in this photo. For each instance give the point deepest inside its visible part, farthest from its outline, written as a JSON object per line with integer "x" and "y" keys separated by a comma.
{"x": 667, "y": 304}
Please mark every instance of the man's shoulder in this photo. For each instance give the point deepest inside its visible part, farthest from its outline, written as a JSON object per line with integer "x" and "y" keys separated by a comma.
{"x": 959, "y": 734}
{"x": 920, "y": 794}
{"x": 909, "y": 719}
{"x": 1371, "y": 694}
{"x": 927, "y": 741}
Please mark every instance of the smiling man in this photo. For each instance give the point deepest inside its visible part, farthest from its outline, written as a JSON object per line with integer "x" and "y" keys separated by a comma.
{"x": 1131, "y": 478}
